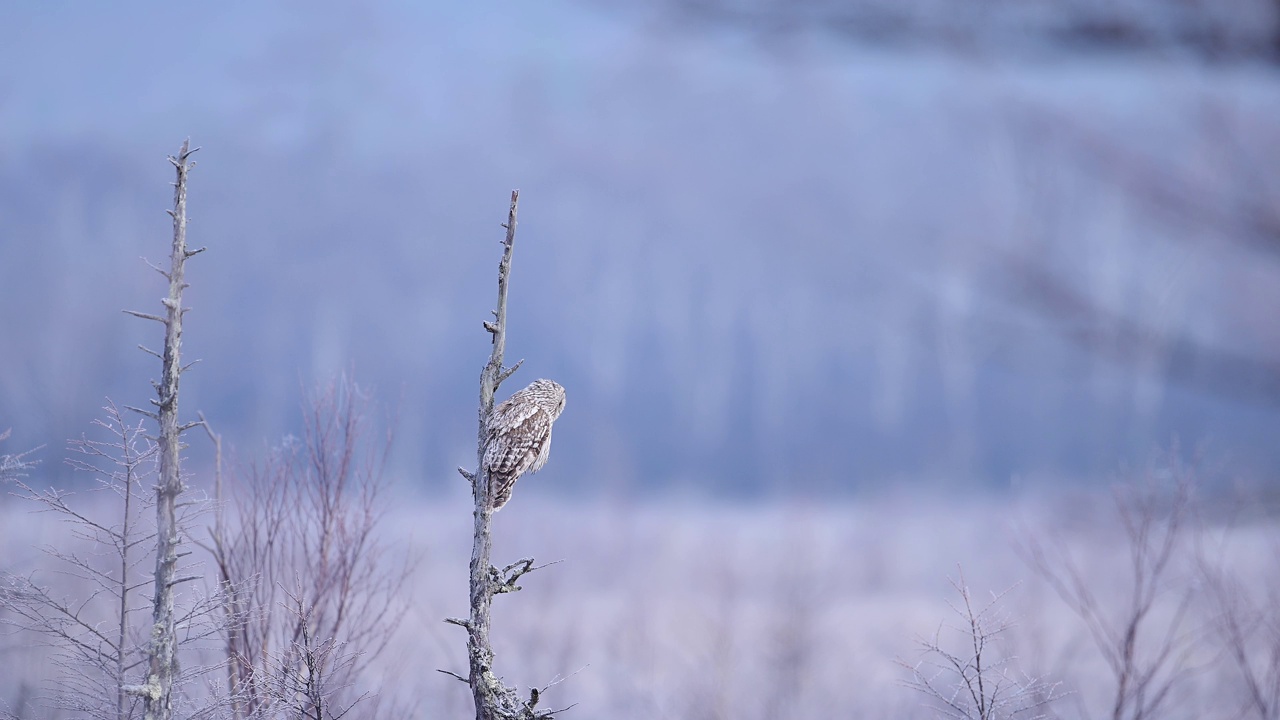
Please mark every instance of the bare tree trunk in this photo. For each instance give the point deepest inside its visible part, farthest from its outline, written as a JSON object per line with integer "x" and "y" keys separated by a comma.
{"x": 219, "y": 535}
{"x": 481, "y": 678}
{"x": 122, "y": 629}
{"x": 493, "y": 699}
{"x": 162, "y": 656}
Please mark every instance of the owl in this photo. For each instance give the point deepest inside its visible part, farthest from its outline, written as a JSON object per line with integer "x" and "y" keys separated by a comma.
{"x": 518, "y": 438}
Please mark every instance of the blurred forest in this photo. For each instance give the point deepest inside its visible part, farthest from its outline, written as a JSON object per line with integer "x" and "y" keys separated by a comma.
{"x": 771, "y": 247}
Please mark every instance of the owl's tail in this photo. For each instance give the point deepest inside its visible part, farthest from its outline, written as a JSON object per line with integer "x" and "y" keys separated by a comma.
{"x": 500, "y": 492}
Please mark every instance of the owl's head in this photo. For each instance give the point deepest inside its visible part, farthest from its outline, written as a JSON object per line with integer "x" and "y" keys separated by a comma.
{"x": 549, "y": 394}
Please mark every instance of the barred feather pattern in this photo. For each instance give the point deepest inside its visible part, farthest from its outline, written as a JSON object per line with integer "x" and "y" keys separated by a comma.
{"x": 518, "y": 436}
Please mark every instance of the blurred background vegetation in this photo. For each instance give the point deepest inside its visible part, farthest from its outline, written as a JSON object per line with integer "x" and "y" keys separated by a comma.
{"x": 771, "y": 248}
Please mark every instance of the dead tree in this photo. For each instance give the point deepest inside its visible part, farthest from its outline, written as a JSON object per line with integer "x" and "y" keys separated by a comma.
{"x": 1248, "y": 628}
{"x": 93, "y": 638}
{"x": 311, "y": 595}
{"x": 493, "y": 699}
{"x": 975, "y": 681}
{"x": 1144, "y": 637}
{"x": 1243, "y": 605}
{"x": 98, "y": 641}
{"x": 312, "y": 670}
{"x": 162, "y": 651}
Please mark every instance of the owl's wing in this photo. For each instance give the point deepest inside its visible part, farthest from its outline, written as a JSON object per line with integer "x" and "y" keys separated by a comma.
{"x": 517, "y": 436}
{"x": 544, "y": 451}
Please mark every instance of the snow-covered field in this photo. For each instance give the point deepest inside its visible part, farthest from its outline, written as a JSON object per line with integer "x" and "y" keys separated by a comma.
{"x": 785, "y": 611}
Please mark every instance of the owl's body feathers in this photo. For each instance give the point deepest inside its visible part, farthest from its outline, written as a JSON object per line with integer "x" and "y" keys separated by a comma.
{"x": 518, "y": 438}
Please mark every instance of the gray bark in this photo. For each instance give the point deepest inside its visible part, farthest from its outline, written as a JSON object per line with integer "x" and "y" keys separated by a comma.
{"x": 493, "y": 699}
{"x": 162, "y": 651}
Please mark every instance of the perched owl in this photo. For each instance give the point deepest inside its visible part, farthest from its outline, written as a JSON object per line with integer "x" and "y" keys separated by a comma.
{"x": 519, "y": 436}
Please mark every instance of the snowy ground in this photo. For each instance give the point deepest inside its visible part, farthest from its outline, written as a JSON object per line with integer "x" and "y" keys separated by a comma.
{"x": 701, "y": 611}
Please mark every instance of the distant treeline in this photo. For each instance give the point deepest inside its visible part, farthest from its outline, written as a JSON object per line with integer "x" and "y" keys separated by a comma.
{"x": 1212, "y": 31}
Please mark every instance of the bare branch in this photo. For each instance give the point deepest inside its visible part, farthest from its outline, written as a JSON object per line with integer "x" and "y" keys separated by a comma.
{"x": 976, "y": 682}
{"x": 140, "y": 411}
{"x": 99, "y": 641}
{"x": 145, "y": 316}
{"x": 306, "y": 530}
{"x": 559, "y": 679}
{"x": 14, "y": 466}
{"x": 164, "y": 273}
{"x": 502, "y": 377}
{"x": 452, "y": 674}
{"x": 1153, "y": 520}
